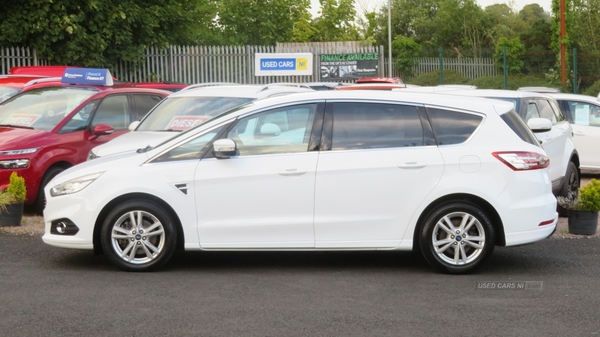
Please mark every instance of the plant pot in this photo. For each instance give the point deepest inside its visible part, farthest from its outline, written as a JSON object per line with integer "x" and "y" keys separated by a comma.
{"x": 583, "y": 222}
{"x": 12, "y": 216}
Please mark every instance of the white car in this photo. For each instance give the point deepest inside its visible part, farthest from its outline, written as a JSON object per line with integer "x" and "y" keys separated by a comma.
{"x": 583, "y": 112}
{"x": 186, "y": 109}
{"x": 556, "y": 137}
{"x": 328, "y": 170}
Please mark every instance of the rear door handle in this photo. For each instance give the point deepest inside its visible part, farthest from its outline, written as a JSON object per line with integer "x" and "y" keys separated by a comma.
{"x": 412, "y": 165}
{"x": 292, "y": 172}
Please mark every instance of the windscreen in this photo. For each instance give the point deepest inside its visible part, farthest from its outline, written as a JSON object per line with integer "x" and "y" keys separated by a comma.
{"x": 6, "y": 92}
{"x": 44, "y": 108}
{"x": 182, "y": 113}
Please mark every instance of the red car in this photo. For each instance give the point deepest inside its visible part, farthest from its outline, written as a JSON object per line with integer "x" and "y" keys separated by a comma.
{"x": 47, "y": 71}
{"x": 51, "y": 127}
{"x": 391, "y": 80}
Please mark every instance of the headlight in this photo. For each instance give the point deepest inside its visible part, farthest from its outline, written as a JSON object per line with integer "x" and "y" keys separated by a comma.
{"x": 17, "y": 152}
{"x": 13, "y": 164}
{"x": 74, "y": 185}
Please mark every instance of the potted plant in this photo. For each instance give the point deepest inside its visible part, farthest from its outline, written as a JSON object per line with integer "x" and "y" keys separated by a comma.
{"x": 583, "y": 210}
{"x": 12, "y": 200}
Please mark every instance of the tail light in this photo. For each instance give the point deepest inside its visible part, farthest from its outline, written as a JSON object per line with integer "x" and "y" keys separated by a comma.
{"x": 522, "y": 161}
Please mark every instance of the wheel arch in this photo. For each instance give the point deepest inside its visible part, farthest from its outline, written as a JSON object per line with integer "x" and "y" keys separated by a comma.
{"x": 482, "y": 203}
{"x": 108, "y": 207}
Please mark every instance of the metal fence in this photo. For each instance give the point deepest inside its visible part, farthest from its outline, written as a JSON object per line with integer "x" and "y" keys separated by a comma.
{"x": 16, "y": 57}
{"x": 471, "y": 67}
{"x": 199, "y": 64}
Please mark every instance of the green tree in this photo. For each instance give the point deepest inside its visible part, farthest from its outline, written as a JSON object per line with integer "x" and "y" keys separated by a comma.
{"x": 514, "y": 54}
{"x": 405, "y": 50}
{"x": 336, "y": 22}
{"x": 261, "y": 22}
{"x": 101, "y": 32}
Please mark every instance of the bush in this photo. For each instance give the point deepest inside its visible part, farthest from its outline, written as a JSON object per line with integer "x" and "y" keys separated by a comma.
{"x": 593, "y": 90}
{"x": 514, "y": 82}
{"x": 16, "y": 189}
{"x": 433, "y": 78}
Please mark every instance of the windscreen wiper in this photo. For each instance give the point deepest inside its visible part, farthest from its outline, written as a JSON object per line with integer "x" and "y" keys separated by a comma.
{"x": 145, "y": 149}
{"x": 16, "y": 126}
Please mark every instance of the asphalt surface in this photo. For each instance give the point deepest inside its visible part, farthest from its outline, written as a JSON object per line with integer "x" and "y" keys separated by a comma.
{"x": 47, "y": 291}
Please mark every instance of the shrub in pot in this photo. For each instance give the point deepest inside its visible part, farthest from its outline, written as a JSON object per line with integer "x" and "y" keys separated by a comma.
{"x": 583, "y": 210}
{"x": 12, "y": 200}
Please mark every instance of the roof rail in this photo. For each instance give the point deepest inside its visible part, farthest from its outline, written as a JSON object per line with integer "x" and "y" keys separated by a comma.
{"x": 43, "y": 80}
{"x": 208, "y": 84}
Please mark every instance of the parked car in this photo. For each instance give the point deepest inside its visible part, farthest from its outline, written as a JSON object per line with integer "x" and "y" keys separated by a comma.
{"x": 46, "y": 71}
{"x": 372, "y": 86}
{"x": 556, "y": 137}
{"x": 52, "y": 127}
{"x": 186, "y": 109}
{"x": 327, "y": 170}
{"x": 583, "y": 113}
{"x": 372, "y": 80}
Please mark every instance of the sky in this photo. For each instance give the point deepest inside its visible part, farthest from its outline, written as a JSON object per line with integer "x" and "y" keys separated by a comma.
{"x": 370, "y": 5}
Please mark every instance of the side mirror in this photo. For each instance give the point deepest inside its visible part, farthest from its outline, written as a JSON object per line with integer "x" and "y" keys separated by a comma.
{"x": 133, "y": 125}
{"x": 224, "y": 148}
{"x": 270, "y": 130}
{"x": 102, "y": 129}
{"x": 539, "y": 124}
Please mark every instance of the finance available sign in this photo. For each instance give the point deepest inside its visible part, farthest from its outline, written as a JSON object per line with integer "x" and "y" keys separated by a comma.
{"x": 339, "y": 67}
{"x": 283, "y": 64}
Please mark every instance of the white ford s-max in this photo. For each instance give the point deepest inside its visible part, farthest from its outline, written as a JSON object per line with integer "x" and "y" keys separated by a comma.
{"x": 330, "y": 170}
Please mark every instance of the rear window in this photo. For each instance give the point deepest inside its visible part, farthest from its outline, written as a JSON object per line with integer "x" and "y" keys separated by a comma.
{"x": 518, "y": 126}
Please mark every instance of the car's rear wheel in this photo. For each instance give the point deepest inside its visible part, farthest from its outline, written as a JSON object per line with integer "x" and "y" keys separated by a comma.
{"x": 138, "y": 235}
{"x": 570, "y": 188}
{"x": 457, "y": 237}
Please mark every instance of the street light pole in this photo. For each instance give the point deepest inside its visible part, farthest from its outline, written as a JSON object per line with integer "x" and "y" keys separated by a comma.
{"x": 390, "y": 38}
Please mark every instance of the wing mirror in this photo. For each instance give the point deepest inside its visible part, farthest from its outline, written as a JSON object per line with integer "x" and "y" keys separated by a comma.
{"x": 133, "y": 125}
{"x": 224, "y": 148}
{"x": 539, "y": 124}
{"x": 103, "y": 129}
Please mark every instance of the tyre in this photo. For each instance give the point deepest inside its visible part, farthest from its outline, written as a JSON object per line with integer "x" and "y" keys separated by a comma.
{"x": 138, "y": 235}
{"x": 457, "y": 237}
{"x": 40, "y": 199}
{"x": 570, "y": 187}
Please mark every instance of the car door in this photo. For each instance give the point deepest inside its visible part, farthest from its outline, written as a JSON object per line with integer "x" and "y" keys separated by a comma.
{"x": 379, "y": 167}
{"x": 75, "y": 134}
{"x": 553, "y": 141}
{"x": 263, "y": 197}
{"x": 586, "y": 132}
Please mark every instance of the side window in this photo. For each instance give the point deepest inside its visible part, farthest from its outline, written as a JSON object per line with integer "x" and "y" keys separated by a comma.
{"x": 143, "y": 104}
{"x": 80, "y": 120}
{"x": 532, "y": 111}
{"x": 283, "y": 130}
{"x": 371, "y": 125}
{"x": 453, "y": 127}
{"x": 546, "y": 111}
{"x": 114, "y": 111}
{"x": 192, "y": 149}
{"x": 585, "y": 113}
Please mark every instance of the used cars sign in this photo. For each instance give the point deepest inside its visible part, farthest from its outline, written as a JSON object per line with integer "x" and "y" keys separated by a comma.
{"x": 87, "y": 76}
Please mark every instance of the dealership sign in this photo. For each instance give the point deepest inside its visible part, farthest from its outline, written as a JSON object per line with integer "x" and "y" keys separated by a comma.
{"x": 283, "y": 64}
{"x": 339, "y": 67}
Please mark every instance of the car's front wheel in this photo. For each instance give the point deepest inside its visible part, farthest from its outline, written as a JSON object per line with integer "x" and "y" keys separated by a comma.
{"x": 138, "y": 235}
{"x": 457, "y": 237}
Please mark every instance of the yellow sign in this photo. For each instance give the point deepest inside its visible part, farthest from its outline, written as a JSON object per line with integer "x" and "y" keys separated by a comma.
{"x": 302, "y": 63}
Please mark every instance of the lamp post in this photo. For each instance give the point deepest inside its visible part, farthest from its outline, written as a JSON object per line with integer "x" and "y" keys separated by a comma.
{"x": 390, "y": 38}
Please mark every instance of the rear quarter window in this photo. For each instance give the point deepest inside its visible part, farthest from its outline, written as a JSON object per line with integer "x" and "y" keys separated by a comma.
{"x": 519, "y": 127}
{"x": 452, "y": 127}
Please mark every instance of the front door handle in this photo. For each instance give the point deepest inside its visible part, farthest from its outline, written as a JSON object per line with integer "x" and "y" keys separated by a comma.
{"x": 292, "y": 172}
{"x": 412, "y": 165}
